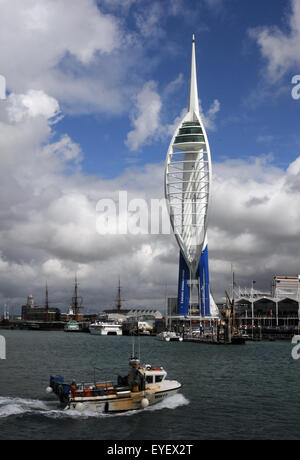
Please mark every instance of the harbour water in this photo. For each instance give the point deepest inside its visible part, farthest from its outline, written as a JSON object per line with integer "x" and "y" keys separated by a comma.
{"x": 242, "y": 392}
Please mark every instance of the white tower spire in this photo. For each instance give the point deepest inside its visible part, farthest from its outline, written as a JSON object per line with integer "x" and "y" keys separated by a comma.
{"x": 187, "y": 188}
{"x": 194, "y": 100}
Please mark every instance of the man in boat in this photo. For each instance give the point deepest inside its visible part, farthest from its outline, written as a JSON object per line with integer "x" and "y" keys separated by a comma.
{"x": 135, "y": 380}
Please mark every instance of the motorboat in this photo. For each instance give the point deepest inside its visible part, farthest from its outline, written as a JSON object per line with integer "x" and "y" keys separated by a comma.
{"x": 106, "y": 328}
{"x": 169, "y": 336}
{"x": 72, "y": 326}
{"x": 143, "y": 386}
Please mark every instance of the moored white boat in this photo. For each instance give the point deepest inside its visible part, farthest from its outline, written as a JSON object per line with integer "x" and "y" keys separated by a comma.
{"x": 170, "y": 336}
{"x": 72, "y": 326}
{"x": 106, "y": 328}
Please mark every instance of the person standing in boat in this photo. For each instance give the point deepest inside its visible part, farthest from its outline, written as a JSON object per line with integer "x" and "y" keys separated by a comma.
{"x": 135, "y": 378}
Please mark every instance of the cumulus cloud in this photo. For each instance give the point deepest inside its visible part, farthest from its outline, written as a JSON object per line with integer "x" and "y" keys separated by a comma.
{"x": 48, "y": 219}
{"x": 279, "y": 48}
{"x": 119, "y": 4}
{"x": 82, "y": 56}
{"x": 209, "y": 117}
{"x": 174, "y": 86}
{"x": 86, "y": 57}
{"x": 70, "y": 53}
{"x": 48, "y": 222}
{"x": 32, "y": 104}
{"x": 146, "y": 121}
{"x": 252, "y": 221}
{"x": 149, "y": 21}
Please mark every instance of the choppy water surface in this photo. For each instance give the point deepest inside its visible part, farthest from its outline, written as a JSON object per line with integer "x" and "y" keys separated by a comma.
{"x": 247, "y": 392}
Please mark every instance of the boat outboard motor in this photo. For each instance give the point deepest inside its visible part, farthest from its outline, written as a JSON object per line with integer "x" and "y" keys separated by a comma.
{"x": 60, "y": 388}
{"x": 55, "y": 382}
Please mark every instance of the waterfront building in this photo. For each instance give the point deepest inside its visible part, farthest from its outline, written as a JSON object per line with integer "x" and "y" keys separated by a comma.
{"x": 145, "y": 320}
{"x": 286, "y": 286}
{"x": 32, "y": 312}
{"x": 280, "y": 308}
{"x": 188, "y": 178}
{"x": 145, "y": 314}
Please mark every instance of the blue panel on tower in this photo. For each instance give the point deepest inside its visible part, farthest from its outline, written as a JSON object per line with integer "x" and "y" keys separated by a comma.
{"x": 207, "y": 290}
{"x": 204, "y": 284}
{"x": 200, "y": 277}
{"x": 183, "y": 288}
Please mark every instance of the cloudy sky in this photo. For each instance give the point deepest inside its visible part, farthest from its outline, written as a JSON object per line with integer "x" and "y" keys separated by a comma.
{"x": 95, "y": 89}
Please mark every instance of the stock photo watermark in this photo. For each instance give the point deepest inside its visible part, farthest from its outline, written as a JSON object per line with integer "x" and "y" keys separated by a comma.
{"x": 138, "y": 216}
{"x": 2, "y": 347}
{"x": 2, "y": 88}
{"x": 296, "y": 88}
{"x": 135, "y": 216}
{"x": 296, "y": 348}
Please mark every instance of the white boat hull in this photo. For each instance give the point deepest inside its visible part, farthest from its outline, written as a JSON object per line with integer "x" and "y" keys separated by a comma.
{"x": 104, "y": 331}
{"x": 169, "y": 337}
{"x": 134, "y": 402}
{"x": 141, "y": 387}
{"x": 72, "y": 329}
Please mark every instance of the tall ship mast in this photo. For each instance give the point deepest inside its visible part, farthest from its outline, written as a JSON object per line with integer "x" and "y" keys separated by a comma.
{"x": 117, "y": 305}
{"x": 119, "y": 302}
{"x": 75, "y": 324}
{"x": 76, "y": 300}
{"x": 47, "y": 303}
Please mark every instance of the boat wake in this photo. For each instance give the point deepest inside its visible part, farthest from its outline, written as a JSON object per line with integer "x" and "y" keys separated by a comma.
{"x": 173, "y": 402}
{"x": 19, "y": 407}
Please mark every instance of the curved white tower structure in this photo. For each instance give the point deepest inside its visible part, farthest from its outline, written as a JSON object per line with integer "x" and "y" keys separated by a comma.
{"x": 187, "y": 188}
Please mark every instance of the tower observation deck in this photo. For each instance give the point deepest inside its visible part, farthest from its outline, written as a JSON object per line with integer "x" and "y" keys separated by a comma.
{"x": 187, "y": 188}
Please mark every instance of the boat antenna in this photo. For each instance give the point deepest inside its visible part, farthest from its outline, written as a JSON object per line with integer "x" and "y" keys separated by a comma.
{"x": 139, "y": 348}
{"x": 96, "y": 369}
{"x": 75, "y": 298}
{"x": 138, "y": 335}
{"x": 132, "y": 352}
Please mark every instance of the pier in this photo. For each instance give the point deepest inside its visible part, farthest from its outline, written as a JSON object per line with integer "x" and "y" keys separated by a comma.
{"x": 214, "y": 341}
